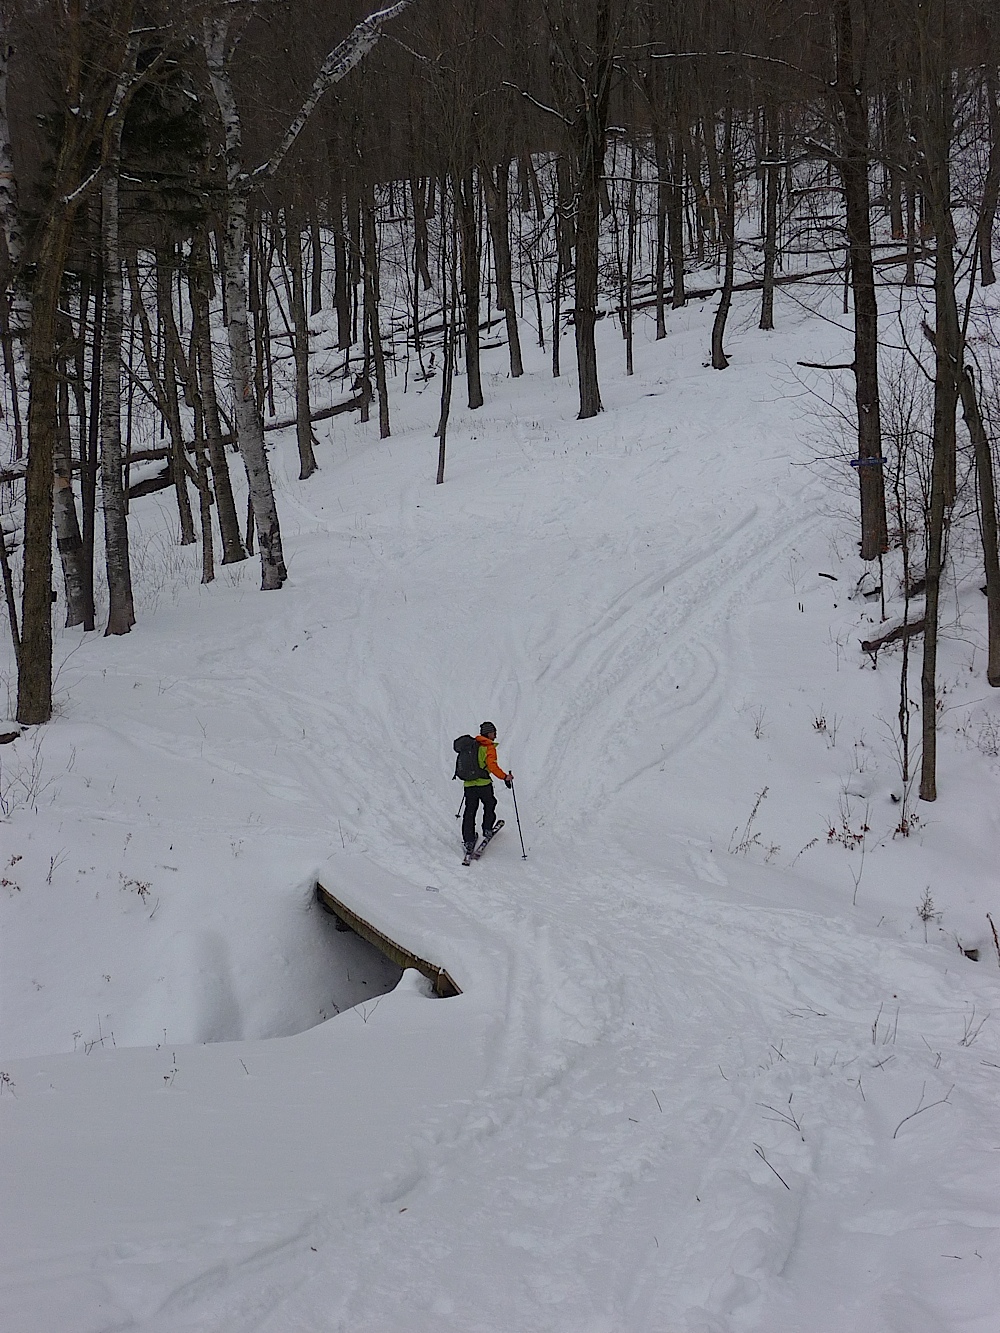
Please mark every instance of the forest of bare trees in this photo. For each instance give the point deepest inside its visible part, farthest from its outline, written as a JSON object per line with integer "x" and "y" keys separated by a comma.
{"x": 443, "y": 171}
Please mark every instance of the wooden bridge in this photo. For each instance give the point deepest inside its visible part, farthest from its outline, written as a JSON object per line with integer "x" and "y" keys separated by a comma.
{"x": 347, "y": 919}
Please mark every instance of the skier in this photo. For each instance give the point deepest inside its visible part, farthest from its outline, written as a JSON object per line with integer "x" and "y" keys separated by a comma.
{"x": 479, "y": 790}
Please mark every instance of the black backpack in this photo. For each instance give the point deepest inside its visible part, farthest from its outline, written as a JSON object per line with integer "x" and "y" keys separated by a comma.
{"x": 467, "y": 766}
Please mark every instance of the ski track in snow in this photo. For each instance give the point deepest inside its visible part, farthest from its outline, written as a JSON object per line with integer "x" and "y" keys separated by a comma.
{"x": 659, "y": 1038}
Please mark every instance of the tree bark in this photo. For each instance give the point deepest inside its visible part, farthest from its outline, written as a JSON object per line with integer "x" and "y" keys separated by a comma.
{"x": 249, "y": 426}
{"x": 341, "y": 293}
{"x": 947, "y": 360}
{"x": 204, "y": 487}
{"x": 772, "y": 183}
{"x": 468, "y": 231}
{"x": 421, "y": 243}
{"x": 300, "y": 339}
{"x": 10, "y": 212}
{"x": 67, "y": 526}
{"x": 991, "y": 186}
{"x": 371, "y": 289}
{"x": 164, "y": 385}
{"x": 8, "y": 589}
{"x": 34, "y": 677}
{"x": 853, "y": 165}
{"x": 498, "y": 216}
{"x": 630, "y": 264}
{"x": 199, "y": 287}
{"x": 987, "y": 517}
{"x": 590, "y": 170}
{"x": 80, "y": 397}
{"x": 449, "y": 314}
{"x": 675, "y": 218}
{"x": 895, "y": 135}
{"x": 316, "y": 267}
{"x": 726, "y": 210}
{"x": 121, "y": 612}
{"x": 662, "y": 158}
{"x": 88, "y": 463}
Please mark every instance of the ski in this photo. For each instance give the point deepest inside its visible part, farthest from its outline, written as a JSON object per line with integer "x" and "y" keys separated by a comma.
{"x": 487, "y": 840}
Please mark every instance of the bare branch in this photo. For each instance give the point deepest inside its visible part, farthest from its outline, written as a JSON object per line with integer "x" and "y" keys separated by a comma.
{"x": 942, "y": 1101}
{"x": 338, "y": 64}
{"x": 549, "y": 110}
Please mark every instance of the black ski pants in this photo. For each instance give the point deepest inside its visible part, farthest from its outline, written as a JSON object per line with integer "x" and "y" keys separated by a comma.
{"x": 474, "y": 797}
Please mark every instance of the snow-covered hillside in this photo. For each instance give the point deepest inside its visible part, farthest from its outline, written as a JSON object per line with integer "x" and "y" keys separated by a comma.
{"x": 720, "y": 1062}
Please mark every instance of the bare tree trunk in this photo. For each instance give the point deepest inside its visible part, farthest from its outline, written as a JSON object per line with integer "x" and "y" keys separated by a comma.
{"x": 675, "y": 219}
{"x": 34, "y": 682}
{"x": 588, "y": 200}
{"x": 449, "y": 314}
{"x": 316, "y": 265}
{"x": 89, "y": 453}
{"x": 987, "y": 519}
{"x": 561, "y": 223}
{"x": 80, "y": 396}
{"x": 121, "y": 613}
{"x": 468, "y": 231}
{"x": 204, "y": 488}
{"x": 300, "y": 324}
{"x": 421, "y": 244}
{"x": 257, "y": 298}
{"x": 165, "y": 385}
{"x": 34, "y": 677}
{"x": 630, "y": 264}
{"x": 910, "y": 275}
{"x": 772, "y": 184}
{"x": 10, "y": 369}
{"x": 354, "y": 276}
{"x": 948, "y": 358}
{"x": 267, "y": 233}
{"x": 201, "y": 335}
{"x": 991, "y": 187}
{"x": 662, "y": 209}
{"x": 8, "y": 589}
{"x": 726, "y": 187}
{"x": 703, "y": 211}
{"x": 10, "y": 212}
{"x": 371, "y": 285}
{"x": 67, "y": 527}
{"x": 853, "y": 164}
{"x": 895, "y": 138}
{"x": 249, "y": 426}
{"x": 498, "y": 216}
{"x": 341, "y": 293}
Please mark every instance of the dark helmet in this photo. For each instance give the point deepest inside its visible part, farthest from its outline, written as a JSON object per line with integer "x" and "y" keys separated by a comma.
{"x": 488, "y": 729}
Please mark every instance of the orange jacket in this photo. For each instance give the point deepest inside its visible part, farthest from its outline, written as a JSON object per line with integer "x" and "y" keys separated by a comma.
{"x": 489, "y": 761}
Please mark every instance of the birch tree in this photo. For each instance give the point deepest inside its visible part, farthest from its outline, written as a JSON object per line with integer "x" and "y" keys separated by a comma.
{"x": 221, "y": 34}
{"x": 87, "y": 86}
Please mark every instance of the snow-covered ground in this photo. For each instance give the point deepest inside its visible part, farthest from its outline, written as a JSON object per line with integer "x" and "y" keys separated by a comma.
{"x": 720, "y": 1062}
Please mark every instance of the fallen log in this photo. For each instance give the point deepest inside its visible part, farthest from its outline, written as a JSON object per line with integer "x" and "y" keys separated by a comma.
{"x": 324, "y": 413}
{"x": 900, "y": 632}
{"x": 14, "y": 471}
{"x": 756, "y": 284}
{"x": 149, "y": 485}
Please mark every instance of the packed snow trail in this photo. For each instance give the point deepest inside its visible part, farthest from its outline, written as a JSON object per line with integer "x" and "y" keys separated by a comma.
{"x": 688, "y": 1086}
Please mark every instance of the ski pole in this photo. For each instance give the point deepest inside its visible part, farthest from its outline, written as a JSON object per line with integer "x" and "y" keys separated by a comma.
{"x": 524, "y": 854}
{"x": 458, "y": 812}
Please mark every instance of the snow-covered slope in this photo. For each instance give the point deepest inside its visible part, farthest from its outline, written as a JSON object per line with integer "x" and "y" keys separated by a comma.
{"x": 719, "y": 1063}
